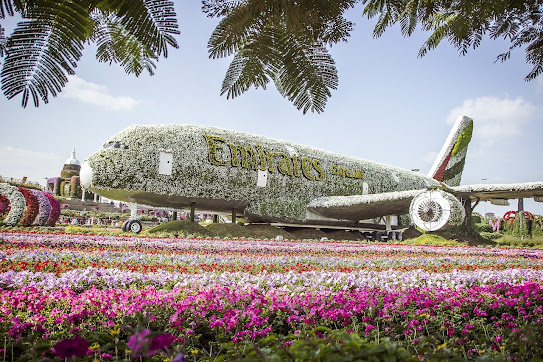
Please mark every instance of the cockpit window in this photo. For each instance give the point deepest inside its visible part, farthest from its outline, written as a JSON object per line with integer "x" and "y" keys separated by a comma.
{"x": 115, "y": 144}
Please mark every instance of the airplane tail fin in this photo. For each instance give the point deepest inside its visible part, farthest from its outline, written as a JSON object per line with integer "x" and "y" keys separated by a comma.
{"x": 449, "y": 164}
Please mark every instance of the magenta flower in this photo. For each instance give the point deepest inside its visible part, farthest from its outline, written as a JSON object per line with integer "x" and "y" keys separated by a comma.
{"x": 72, "y": 347}
{"x": 138, "y": 341}
{"x": 141, "y": 345}
{"x": 159, "y": 343}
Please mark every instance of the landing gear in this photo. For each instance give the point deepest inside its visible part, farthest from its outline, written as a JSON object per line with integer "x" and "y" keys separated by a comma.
{"x": 135, "y": 226}
{"x": 125, "y": 225}
{"x": 132, "y": 225}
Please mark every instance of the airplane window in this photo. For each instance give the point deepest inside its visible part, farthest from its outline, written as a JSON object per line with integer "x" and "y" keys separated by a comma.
{"x": 125, "y": 147}
{"x": 117, "y": 145}
{"x": 109, "y": 144}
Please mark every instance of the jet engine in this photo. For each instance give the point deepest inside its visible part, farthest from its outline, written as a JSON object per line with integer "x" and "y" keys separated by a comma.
{"x": 436, "y": 209}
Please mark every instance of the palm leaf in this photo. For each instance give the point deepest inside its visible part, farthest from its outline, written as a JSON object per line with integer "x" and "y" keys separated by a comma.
{"x": 3, "y": 41}
{"x": 151, "y": 22}
{"x": 116, "y": 45}
{"x": 41, "y": 52}
{"x": 306, "y": 75}
{"x": 283, "y": 41}
{"x": 218, "y": 8}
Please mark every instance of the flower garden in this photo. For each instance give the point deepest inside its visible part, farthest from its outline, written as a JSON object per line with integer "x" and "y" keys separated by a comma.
{"x": 100, "y": 297}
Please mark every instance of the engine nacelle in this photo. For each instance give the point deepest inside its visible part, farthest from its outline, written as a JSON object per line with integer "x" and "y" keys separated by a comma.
{"x": 436, "y": 209}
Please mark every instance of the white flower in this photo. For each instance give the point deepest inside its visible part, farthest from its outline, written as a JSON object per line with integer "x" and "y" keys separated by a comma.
{"x": 17, "y": 203}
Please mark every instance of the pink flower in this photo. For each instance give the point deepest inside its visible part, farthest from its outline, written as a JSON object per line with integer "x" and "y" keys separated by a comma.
{"x": 73, "y": 347}
{"x": 142, "y": 346}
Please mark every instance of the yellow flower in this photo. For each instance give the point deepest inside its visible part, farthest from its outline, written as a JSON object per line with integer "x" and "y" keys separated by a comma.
{"x": 194, "y": 351}
{"x": 115, "y": 331}
{"x": 167, "y": 360}
{"x": 442, "y": 346}
{"x": 95, "y": 346}
{"x": 482, "y": 351}
{"x": 128, "y": 351}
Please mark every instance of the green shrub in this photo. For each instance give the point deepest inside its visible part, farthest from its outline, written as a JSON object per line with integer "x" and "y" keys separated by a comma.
{"x": 476, "y": 218}
{"x": 182, "y": 227}
{"x": 228, "y": 230}
{"x": 490, "y": 235}
{"x": 484, "y": 227}
{"x": 320, "y": 344}
{"x": 431, "y": 239}
{"x": 526, "y": 242}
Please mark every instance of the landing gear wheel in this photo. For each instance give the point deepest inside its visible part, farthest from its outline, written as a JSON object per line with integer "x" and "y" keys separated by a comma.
{"x": 399, "y": 236}
{"x": 391, "y": 236}
{"x": 377, "y": 235}
{"x": 125, "y": 226}
{"x": 135, "y": 226}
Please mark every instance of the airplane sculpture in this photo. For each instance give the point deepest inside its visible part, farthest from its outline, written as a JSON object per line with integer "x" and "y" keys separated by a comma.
{"x": 267, "y": 180}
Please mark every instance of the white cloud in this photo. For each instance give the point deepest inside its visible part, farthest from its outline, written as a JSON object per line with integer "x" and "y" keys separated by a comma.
{"x": 496, "y": 118}
{"x": 18, "y": 163}
{"x": 96, "y": 94}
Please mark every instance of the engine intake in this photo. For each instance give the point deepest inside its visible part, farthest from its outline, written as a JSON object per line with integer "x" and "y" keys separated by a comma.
{"x": 436, "y": 209}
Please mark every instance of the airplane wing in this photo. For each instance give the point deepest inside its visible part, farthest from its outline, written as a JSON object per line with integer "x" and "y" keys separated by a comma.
{"x": 488, "y": 192}
{"x": 362, "y": 207}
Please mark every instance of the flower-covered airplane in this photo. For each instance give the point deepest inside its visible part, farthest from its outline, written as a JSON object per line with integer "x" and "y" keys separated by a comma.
{"x": 266, "y": 180}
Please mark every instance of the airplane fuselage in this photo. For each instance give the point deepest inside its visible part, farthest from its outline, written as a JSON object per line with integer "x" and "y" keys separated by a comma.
{"x": 218, "y": 170}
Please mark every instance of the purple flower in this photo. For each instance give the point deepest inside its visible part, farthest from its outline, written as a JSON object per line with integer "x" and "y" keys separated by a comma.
{"x": 179, "y": 358}
{"x": 160, "y": 343}
{"x": 72, "y": 347}
{"x": 140, "y": 342}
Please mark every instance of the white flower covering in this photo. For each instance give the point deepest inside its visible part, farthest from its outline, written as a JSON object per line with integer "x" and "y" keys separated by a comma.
{"x": 363, "y": 199}
{"x": 527, "y": 186}
{"x": 17, "y": 203}
{"x": 121, "y": 172}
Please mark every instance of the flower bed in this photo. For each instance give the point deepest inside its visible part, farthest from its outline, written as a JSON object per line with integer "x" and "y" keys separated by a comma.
{"x": 110, "y": 297}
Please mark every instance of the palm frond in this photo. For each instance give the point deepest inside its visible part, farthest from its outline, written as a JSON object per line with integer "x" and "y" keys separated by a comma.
{"x": 283, "y": 41}
{"x": 244, "y": 72}
{"x": 306, "y": 75}
{"x": 218, "y": 8}
{"x": 152, "y": 22}
{"x": 6, "y": 8}
{"x": 3, "y": 41}
{"x": 116, "y": 45}
{"x": 233, "y": 31}
{"x": 42, "y": 51}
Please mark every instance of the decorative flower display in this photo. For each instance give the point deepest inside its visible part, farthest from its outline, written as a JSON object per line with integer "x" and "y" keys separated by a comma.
{"x": 84, "y": 295}
{"x": 44, "y": 207}
{"x": 17, "y": 203}
{"x": 32, "y": 206}
{"x": 55, "y": 210}
{"x": 224, "y": 165}
{"x": 4, "y": 205}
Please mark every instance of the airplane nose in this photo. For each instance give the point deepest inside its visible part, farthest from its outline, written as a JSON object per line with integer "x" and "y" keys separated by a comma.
{"x": 85, "y": 175}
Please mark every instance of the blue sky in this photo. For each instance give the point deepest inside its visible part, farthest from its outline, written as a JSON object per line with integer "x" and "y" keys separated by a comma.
{"x": 390, "y": 106}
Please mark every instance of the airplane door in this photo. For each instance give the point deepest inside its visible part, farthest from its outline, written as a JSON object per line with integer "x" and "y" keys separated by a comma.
{"x": 165, "y": 163}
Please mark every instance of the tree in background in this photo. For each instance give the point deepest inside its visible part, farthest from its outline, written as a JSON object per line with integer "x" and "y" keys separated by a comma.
{"x": 46, "y": 46}
{"x": 279, "y": 41}
{"x": 464, "y": 23}
{"x": 286, "y": 41}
